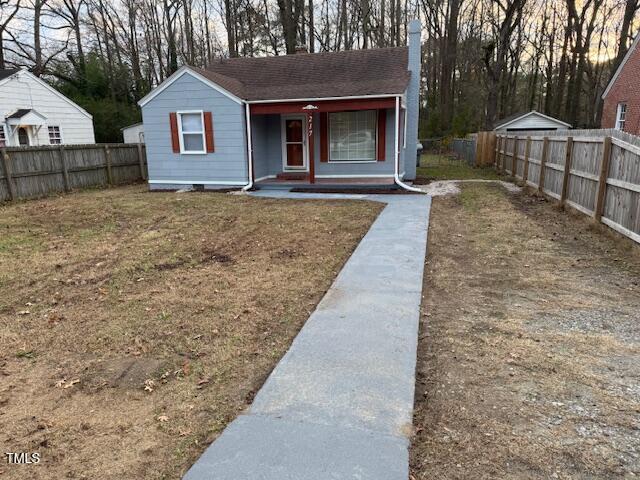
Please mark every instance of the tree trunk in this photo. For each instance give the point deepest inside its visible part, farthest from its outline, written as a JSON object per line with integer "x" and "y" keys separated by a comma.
{"x": 449, "y": 65}
{"x": 229, "y": 15}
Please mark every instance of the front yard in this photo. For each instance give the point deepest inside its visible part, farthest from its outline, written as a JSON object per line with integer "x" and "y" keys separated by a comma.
{"x": 134, "y": 326}
{"x": 529, "y": 355}
{"x": 448, "y": 167}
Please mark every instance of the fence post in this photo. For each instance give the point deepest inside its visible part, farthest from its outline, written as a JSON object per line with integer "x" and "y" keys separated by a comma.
{"x": 602, "y": 181}
{"x": 65, "y": 171}
{"x": 479, "y": 147}
{"x": 567, "y": 170}
{"x": 141, "y": 162}
{"x": 514, "y": 157}
{"x": 525, "y": 168}
{"x": 497, "y": 156}
{"x": 6, "y": 163}
{"x": 543, "y": 161}
{"x": 107, "y": 154}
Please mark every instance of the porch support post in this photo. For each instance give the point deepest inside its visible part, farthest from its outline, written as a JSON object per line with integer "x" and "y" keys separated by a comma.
{"x": 312, "y": 163}
{"x": 396, "y": 135}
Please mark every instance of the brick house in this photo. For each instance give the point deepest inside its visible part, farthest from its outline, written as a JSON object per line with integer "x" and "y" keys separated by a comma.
{"x": 621, "y": 109}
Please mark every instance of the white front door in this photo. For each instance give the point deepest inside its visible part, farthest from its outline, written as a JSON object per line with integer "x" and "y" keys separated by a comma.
{"x": 294, "y": 143}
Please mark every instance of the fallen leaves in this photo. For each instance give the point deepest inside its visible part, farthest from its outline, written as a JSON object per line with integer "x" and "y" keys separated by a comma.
{"x": 64, "y": 384}
{"x": 162, "y": 418}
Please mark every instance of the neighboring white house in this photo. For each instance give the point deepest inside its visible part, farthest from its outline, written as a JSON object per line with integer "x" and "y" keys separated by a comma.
{"x": 133, "y": 133}
{"x": 34, "y": 113}
{"x": 530, "y": 121}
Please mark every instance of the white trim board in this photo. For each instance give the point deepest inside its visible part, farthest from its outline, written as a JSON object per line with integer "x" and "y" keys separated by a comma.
{"x": 621, "y": 66}
{"x": 266, "y": 177}
{"x": 48, "y": 87}
{"x": 186, "y": 70}
{"x": 196, "y": 182}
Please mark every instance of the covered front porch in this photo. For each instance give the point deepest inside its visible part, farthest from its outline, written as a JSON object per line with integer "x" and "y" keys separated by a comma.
{"x": 340, "y": 142}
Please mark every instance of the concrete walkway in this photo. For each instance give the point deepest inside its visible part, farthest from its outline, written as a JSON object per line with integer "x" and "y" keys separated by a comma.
{"x": 339, "y": 404}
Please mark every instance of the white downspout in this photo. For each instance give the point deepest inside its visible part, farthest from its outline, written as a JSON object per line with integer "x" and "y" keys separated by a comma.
{"x": 247, "y": 116}
{"x": 396, "y": 175}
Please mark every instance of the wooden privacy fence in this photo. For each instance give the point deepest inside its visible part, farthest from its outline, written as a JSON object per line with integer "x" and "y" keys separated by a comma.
{"x": 485, "y": 148}
{"x": 597, "y": 175}
{"x": 29, "y": 172}
{"x": 465, "y": 148}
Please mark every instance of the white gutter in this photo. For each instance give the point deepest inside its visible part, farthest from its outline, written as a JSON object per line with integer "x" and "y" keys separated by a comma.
{"x": 247, "y": 116}
{"x": 396, "y": 175}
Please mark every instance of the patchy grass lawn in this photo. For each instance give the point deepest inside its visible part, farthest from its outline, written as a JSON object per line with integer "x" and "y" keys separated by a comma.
{"x": 134, "y": 326}
{"x": 447, "y": 167}
{"x": 529, "y": 356}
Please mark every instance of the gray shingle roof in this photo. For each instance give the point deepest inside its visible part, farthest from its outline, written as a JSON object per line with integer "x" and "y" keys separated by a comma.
{"x": 19, "y": 113}
{"x": 313, "y": 75}
{"x": 4, "y": 73}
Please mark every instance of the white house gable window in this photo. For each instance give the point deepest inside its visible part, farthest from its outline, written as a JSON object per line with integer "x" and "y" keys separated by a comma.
{"x": 55, "y": 137}
{"x": 3, "y": 137}
{"x": 352, "y": 136}
{"x": 191, "y": 131}
{"x": 621, "y": 116}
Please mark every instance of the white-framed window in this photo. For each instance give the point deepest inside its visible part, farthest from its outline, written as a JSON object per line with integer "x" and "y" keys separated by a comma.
{"x": 621, "y": 116}
{"x": 55, "y": 136}
{"x": 352, "y": 136}
{"x": 191, "y": 132}
{"x": 3, "y": 137}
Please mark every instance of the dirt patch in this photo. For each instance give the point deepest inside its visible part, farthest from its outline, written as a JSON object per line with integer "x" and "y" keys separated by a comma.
{"x": 529, "y": 355}
{"x": 135, "y": 327}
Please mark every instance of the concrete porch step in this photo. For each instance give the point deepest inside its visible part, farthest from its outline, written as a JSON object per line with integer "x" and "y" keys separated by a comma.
{"x": 292, "y": 176}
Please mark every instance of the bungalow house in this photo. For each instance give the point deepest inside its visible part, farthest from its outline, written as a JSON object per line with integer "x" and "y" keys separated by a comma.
{"x": 32, "y": 113}
{"x": 621, "y": 107}
{"x": 530, "y": 121}
{"x": 333, "y": 117}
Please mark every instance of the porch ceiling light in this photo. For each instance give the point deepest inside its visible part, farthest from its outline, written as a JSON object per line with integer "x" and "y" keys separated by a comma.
{"x": 310, "y": 107}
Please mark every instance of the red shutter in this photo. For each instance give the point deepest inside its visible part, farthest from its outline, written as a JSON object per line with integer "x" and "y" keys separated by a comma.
{"x": 324, "y": 143}
{"x": 208, "y": 131}
{"x": 382, "y": 134}
{"x": 175, "y": 141}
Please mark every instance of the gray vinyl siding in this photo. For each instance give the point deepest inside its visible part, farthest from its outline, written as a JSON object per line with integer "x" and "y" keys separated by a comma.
{"x": 267, "y": 145}
{"x": 229, "y": 161}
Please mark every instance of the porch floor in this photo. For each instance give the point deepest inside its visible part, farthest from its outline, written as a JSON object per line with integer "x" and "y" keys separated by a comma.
{"x": 327, "y": 182}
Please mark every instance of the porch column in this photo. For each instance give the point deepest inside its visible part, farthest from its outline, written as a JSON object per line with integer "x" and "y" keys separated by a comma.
{"x": 312, "y": 164}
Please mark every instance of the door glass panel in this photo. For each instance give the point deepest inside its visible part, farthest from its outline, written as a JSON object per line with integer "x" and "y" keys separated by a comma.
{"x": 294, "y": 131}
{"x": 294, "y": 155}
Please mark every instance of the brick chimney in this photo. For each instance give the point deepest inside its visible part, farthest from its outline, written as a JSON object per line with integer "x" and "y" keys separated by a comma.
{"x": 301, "y": 49}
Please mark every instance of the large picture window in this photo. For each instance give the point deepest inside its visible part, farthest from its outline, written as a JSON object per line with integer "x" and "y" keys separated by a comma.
{"x": 191, "y": 128}
{"x": 352, "y": 136}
